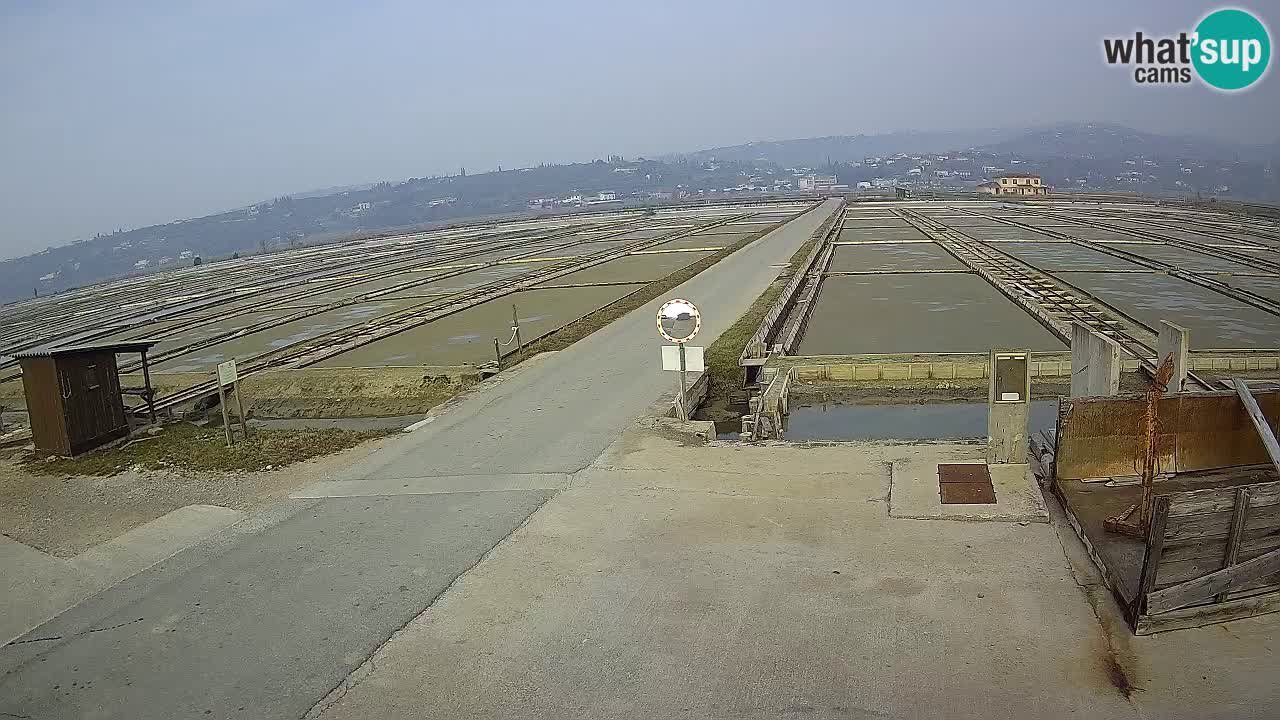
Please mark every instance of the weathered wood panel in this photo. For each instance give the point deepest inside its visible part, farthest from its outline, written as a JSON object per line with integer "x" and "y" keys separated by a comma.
{"x": 1205, "y": 587}
{"x": 44, "y": 405}
{"x": 1217, "y": 526}
{"x": 1217, "y": 546}
{"x": 1223, "y": 499}
{"x": 1207, "y": 614}
{"x": 93, "y": 405}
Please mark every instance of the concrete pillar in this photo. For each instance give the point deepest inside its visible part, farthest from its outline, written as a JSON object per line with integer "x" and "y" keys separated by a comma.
{"x": 1095, "y": 363}
{"x": 1104, "y": 366}
{"x": 1174, "y": 340}
{"x": 1008, "y": 407}
{"x": 1081, "y": 340}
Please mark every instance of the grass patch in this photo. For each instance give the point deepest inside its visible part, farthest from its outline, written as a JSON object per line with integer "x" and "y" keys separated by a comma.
{"x": 587, "y": 324}
{"x": 723, "y": 354}
{"x": 186, "y": 447}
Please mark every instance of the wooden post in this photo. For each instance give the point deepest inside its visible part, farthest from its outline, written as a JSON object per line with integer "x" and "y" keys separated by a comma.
{"x": 1151, "y": 561}
{"x": 497, "y": 353}
{"x": 244, "y": 424}
{"x": 1239, "y": 516}
{"x": 226, "y": 421}
{"x": 1259, "y": 421}
{"x": 146, "y": 384}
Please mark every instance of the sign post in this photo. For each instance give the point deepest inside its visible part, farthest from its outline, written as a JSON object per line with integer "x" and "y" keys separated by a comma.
{"x": 678, "y": 321}
{"x": 228, "y": 375}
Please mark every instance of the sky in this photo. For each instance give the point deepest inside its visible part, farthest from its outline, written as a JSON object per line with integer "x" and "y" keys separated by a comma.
{"x": 126, "y": 114}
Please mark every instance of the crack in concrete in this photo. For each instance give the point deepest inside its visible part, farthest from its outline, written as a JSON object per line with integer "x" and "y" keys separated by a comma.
{"x": 90, "y": 631}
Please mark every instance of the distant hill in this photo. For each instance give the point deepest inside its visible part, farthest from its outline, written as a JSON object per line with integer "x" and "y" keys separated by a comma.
{"x": 814, "y": 152}
{"x": 1083, "y": 156}
{"x": 309, "y": 218}
{"x": 1105, "y": 141}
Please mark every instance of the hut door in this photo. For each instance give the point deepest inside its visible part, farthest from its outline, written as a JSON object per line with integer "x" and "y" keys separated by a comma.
{"x": 85, "y": 399}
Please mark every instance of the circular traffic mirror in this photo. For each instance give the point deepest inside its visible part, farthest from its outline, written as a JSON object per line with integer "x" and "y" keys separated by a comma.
{"x": 678, "y": 320}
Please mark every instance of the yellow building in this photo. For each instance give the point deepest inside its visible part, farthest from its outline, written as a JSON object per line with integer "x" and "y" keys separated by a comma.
{"x": 1015, "y": 184}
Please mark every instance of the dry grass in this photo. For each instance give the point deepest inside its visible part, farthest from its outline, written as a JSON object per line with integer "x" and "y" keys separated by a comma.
{"x": 184, "y": 447}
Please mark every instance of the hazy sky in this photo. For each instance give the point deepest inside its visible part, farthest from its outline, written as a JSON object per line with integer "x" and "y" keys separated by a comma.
{"x": 123, "y": 114}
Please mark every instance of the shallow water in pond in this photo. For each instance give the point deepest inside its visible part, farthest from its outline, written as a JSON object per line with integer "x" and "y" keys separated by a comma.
{"x": 934, "y": 421}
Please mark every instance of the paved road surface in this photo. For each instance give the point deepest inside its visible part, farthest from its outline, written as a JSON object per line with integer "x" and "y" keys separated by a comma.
{"x": 264, "y": 620}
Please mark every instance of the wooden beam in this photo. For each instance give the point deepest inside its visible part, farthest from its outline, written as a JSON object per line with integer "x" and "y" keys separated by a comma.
{"x": 1239, "y": 516}
{"x": 1208, "y": 614}
{"x": 1259, "y": 421}
{"x": 1155, "y": 548}
{"x": 1172, "y": 598}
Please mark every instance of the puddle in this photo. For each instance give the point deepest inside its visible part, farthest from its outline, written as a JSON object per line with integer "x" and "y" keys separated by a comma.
{"x": 935, "y": 421}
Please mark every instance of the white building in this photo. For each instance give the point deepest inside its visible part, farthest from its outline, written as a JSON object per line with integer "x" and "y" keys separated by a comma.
{"x": 816, "y": 183}
{"x": 1015, "y": 184}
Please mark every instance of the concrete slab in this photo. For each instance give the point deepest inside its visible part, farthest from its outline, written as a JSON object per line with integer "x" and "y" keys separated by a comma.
{"x": 152, "y": 542}
{"x": 37, "y": 586}
{"x": 752, "y": 582}
{"x": 34, "y": 587}
{"x": 285, "y": 634}
{"x": 914, "y": 490}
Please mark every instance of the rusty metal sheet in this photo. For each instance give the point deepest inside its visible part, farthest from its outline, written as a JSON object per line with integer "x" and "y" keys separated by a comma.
{"x": 964, "y": 473}
{"x": 1105, "y": 437}
{"x": 1215, "y": 432}
{"x": 967, "y": 493}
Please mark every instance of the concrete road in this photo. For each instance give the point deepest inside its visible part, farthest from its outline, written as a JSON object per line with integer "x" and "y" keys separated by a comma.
{"x": 265, "y": 620}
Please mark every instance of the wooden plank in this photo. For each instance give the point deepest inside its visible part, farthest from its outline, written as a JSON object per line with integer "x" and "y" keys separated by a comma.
{"x": 1208, "y": 614}
{"x": 1204, "y": 587}
{"x": 1237, "y": 533}
{"x": 1255, "y": 543}
{"x": 1155, "y": 547}
{"x": 1259, "y": 421}
{"x": 1221, "y": 499}
{"x": 1217, "y": 526}
{"x": 1176, "y": 572}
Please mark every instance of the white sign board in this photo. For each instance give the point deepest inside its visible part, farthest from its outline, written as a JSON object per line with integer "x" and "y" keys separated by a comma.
{"x": 693, "y": 361}
{"x": 227, "y": 372}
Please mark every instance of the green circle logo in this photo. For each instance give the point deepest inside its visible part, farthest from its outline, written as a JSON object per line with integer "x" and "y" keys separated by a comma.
{"x": 1232, "y": 49}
